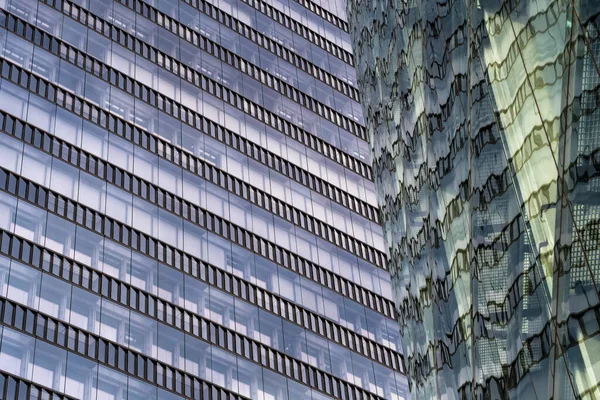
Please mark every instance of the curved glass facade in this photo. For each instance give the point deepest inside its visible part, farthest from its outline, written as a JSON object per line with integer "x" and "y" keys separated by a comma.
{"x": 484, "y": 121}
{"x": 187, "y": 206}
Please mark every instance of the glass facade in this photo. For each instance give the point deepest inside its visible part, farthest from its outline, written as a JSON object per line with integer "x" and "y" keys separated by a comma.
{"x": 484, "y": 121}
{"x": 187, "y": 206}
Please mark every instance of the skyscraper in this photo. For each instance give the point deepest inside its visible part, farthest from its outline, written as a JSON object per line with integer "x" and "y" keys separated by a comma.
{"x": 186, "y": 205}
{"x": 484, "y": 124}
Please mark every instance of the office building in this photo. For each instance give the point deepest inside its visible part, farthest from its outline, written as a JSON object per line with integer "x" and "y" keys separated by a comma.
{"x": 484, "y": 117}
{"x": 187, "y": 205}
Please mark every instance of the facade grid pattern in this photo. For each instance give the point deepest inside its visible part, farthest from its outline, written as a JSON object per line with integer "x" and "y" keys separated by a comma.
{"x": 187, "y": 207}
{"x": 484, "y": 120}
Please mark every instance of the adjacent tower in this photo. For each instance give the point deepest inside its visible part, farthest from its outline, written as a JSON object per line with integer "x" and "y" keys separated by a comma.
{"x": 187, "y": 206}
{"x": 483, "y": 119}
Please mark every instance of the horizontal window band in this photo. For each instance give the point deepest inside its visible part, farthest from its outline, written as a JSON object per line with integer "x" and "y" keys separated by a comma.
{"x": 271, "y": 45}
{"x": 118, "y": 357}
{"x": 191, "y": 36}
{"x": 227, "y": 137}
{"x": 302, "y": 30}
{"x": 197, "y": 167}
{"x": 118, "y": 232}
{"x": 15, "y": 387}
{"x": 154, "y": 195}
{"x": 247, "y": 32}
{"x": 269, "y": 159}
{"x": 325, "y": 14}
{"x": 124, "y": 179}
{"x": 190, "y": 117}
{"x": 174, "y": 316}
{"x": 231, "y": 183}
{"x": 205, "y": 83}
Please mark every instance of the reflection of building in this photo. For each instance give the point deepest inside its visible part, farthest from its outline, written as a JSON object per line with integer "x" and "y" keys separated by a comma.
{"x": 485, "y": 129}
{"x": 186, "y": 205}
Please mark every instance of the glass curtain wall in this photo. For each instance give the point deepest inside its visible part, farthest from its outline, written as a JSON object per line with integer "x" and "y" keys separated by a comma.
{"x": 483, "y": 120}
{"x": 187, "y": 206}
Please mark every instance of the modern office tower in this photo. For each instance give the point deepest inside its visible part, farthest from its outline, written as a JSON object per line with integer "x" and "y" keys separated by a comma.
{"x": 187, "y": 206}
{"x": 484, "y": 122}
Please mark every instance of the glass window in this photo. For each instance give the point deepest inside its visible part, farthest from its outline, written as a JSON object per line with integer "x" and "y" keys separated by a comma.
{"x": 113, "y": 258}
{"x": 120, "y": 153}
{"x": 138, "y": 390}
{"x": 224, "y": 369}
{"x": 193, "y": 189}
{"x": 60, "y": 235}
{"x": 95, "y": 140}
{"x": 341, "y": 362}
{"x": 246, "y": 318}
{"x": 163, "y": 394}
{"x": 24, "y": 284}
{"x": 71, "y": 77}
{"x": 275, "y": 386}
{"x": 221, "y": 308}
{"x": 170, "y": 284}
{"x": 271, "y": 330}
{"x": 85, "y": 310}
{"x": 170, "y": 177}
{"x": 194, "y": 240}
{"x": 145, "y": 217}
{"x": 68, "y": 127}
{"x": 114, "y": 322}
{"x": 145, "y": 165}
{"x": 143, "y": 335}
{"x": 363, "y": 372}
{"x": 196, "y": 295}
{"x": 11, "y": 151}
{"x": 143, "y": 273}
{"x": 297, "y": 390}
{"x": 318, "y": 352}
{"x": 92, "y": 192}
{"x": 294, "y": 338}
{"x": 55, "y": 297}
{"x": 110, "y": 384}
{"x": 80, "y": 374}
{"x": 198, "y": 359}
{"x": 8, "y": 211}
{"x": 30, "y": 222}
{"x": 64, "y": 179}
{"x": 16, "y": 353}
{"x": 170, "y": 228}
{"x": 4, "y": 275}
{"x": 89, "y": 249}
{"x": 170, "y": 346}
{"x": 50, "y": 363}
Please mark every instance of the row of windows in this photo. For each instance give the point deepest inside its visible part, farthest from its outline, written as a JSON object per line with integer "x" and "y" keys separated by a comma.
{"x": 183, "y": 209}
{"x": 325, "y": 14}
{"x": 109, "y": 353}
{"x": 37, "y": 36}
{"x": 225, "y": 55}
{"x": 135, "y": 44}
{"x": 198, "y": 167}
{"x": 134, "y": 184}
{"x": 177, "y": 110}
{"x": 188, "y": 139}
{"x": 273, "y": 46}
{"x": 169, "y": 255}
{"x": 198, "y": 121}
{"x": 12, "y": 387}
{"x": 270, "y": 45}
{"x": 228, "y": 137}
{"x": 301, "y": 30}
{"x": 172, "y": 315}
